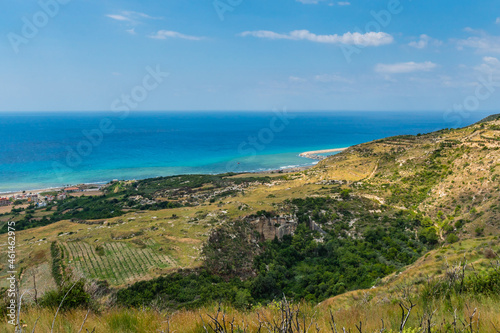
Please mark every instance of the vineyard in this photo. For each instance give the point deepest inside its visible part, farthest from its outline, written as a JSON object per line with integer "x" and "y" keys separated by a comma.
{"x": 117, "y": 262}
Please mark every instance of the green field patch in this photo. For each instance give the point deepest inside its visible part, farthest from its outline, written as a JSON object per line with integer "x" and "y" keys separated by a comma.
{"x": 118, "y": 264}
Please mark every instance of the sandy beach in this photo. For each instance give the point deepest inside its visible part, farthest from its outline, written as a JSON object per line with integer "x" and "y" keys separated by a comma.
{"x": 55, "y": 189}
{"x": 315, "y": 153}
{"x": 37, "y": 191}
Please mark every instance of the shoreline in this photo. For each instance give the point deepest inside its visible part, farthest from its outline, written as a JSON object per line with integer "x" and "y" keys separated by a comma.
{"x": 313, "y": 155}
{"x": 48, "y": 189}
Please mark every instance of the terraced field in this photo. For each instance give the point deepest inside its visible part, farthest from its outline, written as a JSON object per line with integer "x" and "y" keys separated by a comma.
{"x": 117, "y": 262}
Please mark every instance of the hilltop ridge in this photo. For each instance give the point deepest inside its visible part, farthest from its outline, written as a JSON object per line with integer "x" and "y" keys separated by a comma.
{"x": 449, "y": 175}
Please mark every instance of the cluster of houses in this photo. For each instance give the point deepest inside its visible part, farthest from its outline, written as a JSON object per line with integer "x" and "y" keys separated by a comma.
{"x": 43, "y": 201}
{"x": 37, "y": 199}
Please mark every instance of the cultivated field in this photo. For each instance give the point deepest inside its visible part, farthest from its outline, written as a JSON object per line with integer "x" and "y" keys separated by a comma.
{"x": 117, "y": 262}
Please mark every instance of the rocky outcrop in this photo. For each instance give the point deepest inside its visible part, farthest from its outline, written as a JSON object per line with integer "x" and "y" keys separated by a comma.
{"x": 271, "y": 227}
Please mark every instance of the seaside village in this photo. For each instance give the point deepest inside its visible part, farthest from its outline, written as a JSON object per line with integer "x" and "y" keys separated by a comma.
{"x": 41, "y": 199}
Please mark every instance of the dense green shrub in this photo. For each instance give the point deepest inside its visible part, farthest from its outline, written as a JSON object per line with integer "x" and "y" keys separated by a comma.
{"x": 473, "y": 283}
{"x": 451, "y": 238}
{"x": 428, "y": 235}
{"x": 57, "y": 263}
{"x": 72, "y": 297}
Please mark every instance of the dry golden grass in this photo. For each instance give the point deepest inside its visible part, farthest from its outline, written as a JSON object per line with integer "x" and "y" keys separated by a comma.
{"x": 7, "y": 209}
{"x": 370, "y": 313}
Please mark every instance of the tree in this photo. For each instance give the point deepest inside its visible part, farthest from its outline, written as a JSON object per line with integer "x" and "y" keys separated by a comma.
{"x": 451, "y": 238}
{"x": 345, "y": 194}
{"x": 428, "y": 235}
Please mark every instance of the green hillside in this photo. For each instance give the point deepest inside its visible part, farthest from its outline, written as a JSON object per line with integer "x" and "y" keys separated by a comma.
{"x": 367, "y": 221}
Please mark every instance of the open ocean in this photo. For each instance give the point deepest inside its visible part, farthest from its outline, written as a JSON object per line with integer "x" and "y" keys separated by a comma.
{"x": 42, "y": 150}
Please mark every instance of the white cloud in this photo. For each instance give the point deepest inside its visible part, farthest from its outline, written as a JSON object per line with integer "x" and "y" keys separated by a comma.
{"x": 118, "y": 17}
{"x": 490, "y": 65}
{"x": 405, "y": 67}
{"x": 492, "y": 61}
{"x": 343, "y": 3}
{"x": 498, "y": 20}
{"x": 131, "y": 16}
{"x": 131, "y": 31}
{"x": 488, "y": 70}
{"x": 164, "y": 34}
{"x": 356, "y": 38}
{"x": 139, "y": 14}
{"x": 472, "y": 31}
{"x": 484, "y": 43}
{"x": 424, "y": 41}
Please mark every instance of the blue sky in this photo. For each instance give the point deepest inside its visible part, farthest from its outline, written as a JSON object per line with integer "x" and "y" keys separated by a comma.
{"x": 63, "y": 55}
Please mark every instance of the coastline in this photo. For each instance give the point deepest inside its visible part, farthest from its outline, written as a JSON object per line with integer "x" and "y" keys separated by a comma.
{"x": 312, "y": 155}
{"x": 315, "y": 154}
{"x": 341, "y": 129}
{"x": 49, "y": 189}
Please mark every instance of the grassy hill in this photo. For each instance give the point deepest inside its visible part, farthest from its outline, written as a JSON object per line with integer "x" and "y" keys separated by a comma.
{"x": 450, "y": 175}
{"x": 380, "y": 215}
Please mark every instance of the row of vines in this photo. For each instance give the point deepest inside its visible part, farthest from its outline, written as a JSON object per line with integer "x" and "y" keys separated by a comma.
{"x": 116, "y": 262}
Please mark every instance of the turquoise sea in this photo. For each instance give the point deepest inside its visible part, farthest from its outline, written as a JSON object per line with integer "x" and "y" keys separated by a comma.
{"x": 42, "y": 150}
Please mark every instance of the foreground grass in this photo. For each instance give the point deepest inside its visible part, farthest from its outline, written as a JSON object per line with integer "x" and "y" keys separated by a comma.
{"x": 477, "y": 313}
